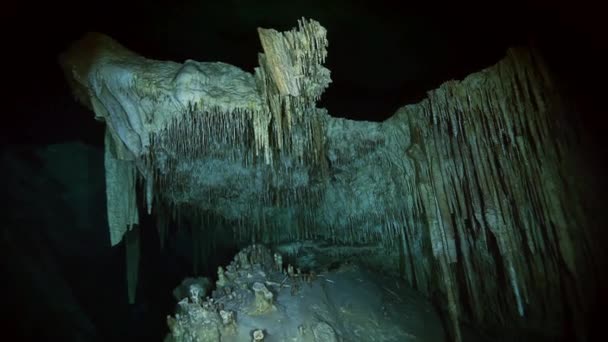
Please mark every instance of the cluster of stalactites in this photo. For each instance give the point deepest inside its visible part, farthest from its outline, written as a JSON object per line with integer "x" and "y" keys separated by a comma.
{"x": 255, "y": 223}
{"x": 492, "y": 186}
{"x": 204, "y": 132}
{"x": 291, "y": 79}
{"x": 287, "y": 128}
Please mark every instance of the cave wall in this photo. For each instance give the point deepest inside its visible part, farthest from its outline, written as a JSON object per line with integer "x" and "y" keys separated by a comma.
{"x": 470, "y": 193}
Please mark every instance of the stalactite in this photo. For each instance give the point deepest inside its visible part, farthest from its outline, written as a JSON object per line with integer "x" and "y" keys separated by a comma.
{"x": 120, "y": 190}
{"x": 132, "y": 251}
{"x": 149, "y": 193}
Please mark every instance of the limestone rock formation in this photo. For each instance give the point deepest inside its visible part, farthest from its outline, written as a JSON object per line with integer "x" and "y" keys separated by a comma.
{"x": 345, "y": 304}
{"x": 470, "y": 194}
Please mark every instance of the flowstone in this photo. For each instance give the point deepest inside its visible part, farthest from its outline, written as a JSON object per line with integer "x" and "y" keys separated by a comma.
{"x": 345, "y": 304}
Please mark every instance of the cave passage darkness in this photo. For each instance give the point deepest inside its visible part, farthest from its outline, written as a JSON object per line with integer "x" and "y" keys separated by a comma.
{"x": 382, "y": 55}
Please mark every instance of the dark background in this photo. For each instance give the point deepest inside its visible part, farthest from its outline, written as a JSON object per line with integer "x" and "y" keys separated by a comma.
{"x": 382, "y": 54}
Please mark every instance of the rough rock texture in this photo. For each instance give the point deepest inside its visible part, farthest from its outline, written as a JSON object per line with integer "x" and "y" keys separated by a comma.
{"x": 470, "y": 193}
{"x": 345, "y": 304}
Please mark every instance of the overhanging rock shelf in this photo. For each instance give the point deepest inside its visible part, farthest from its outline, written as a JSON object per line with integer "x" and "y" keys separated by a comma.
{"x": 468, "y": 193}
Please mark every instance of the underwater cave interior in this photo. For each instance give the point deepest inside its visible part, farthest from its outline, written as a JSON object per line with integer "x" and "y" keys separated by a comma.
{"x": 239, "y": 208}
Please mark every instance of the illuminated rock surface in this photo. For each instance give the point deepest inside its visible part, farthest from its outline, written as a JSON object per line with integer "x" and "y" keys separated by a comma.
{"x": 469, "y": 194}
{"x": 344, "y": 304}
